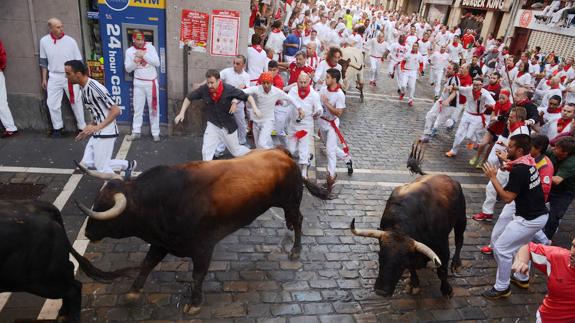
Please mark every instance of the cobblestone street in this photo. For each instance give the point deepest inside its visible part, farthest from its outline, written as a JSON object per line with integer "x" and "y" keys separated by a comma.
{"x": 251, "y": 278}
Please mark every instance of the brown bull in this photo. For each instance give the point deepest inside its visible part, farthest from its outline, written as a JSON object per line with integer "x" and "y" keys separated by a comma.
{"x": 186, "y": 209}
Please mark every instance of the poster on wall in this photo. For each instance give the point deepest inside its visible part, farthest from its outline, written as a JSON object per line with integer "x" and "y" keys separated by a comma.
{"x": 535, "y": 20}
{"x": 194, "y": 30}
{"x": 225, "y": 32}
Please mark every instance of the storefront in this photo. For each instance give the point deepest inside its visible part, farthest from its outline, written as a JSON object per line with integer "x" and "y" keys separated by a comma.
{"x": 484, "y": 16}
{"x": 531, "y": 32}
{"x": 436, "y": 10}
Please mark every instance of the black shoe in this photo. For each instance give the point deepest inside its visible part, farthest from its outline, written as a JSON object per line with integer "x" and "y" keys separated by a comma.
{"x": 349, "y": 165}
{"x": 495, "y": 294}
{"x": 131, "y": 167}
{"x": 57, "y": 133}
{"x": 524, "y": 284}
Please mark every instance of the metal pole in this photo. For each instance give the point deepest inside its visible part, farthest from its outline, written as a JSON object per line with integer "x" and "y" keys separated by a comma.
{"x": 186, "y": 54}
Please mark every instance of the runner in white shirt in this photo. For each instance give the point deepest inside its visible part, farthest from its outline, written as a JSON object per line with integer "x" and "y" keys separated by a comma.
{"x": 266, "y": 95}
{"x": 312, "y": 59}
{"x": 355, "y": 39}
{"x": 522, "y": 77}
{"x": 442, "y": 38}
{"x": 332, "y": 58}
{"x": 276, "y": 40}
{"x": 257, "y": 59}
{"x": 563, "y": 124}
{"x": 412, "y": 67}
{"x": 55, "y": 50}
{"x": 102, "y": 132}
{"x": 142, "y": 59}
{"x": 455, "y": 50}
{"x": 425, "y": 49}
{"x": 377, "y": 48}
{"x": 473, "y": 119}
{"x": 411, "y": 38}
{"x": 421, "y": 28}
{"x": 438, "y": 61}
{"x": 397, "y": 52}
{"x": 301, "y": 123}
{"x": 333, "y": 101}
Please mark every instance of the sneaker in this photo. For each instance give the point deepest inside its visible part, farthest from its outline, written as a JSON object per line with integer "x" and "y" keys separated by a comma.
{"x": 57, "y": 133}
{"x": 435, "y": 98}
{"x": 156, "y": 138}
{"x": 132, "y": 164}
{"x": 483, "y": 217}
{"x": 524, "y": 284}
{"x": 410, "y": 103}
{"x": 495, "y": 294}
{"x": 469, "y": 146}
{"x": 473, "y": 161}
{"x": 487, "y": 250}
{"x": 433, "y": 132}
{"x": 450, "y": 154}
{"x": 401, "y": 95}
{"x": 479, "y": 165}
{"x": 8, "y": 134}
{"x": 349, "y": 165}
{"x": 432, "y": 84}
{"x": 134, "y": 136}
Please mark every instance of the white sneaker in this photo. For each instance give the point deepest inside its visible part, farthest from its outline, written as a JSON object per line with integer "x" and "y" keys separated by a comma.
{"x": 133, "y": 137}
{"x": 156, "y": 138}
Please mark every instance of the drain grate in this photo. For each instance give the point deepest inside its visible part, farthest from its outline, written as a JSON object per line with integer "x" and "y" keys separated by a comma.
{"x": 20, "y": 191}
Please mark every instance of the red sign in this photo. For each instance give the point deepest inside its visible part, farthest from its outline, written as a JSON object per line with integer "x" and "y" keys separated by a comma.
{"x": 225, "y": 32}
{"x": 194, "y": 30}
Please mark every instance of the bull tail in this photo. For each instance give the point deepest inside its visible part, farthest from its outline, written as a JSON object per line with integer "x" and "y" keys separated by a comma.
{"x": 95, "y": 273}
{"x": 415, "y": 159}
{"x": 317, "y": 190}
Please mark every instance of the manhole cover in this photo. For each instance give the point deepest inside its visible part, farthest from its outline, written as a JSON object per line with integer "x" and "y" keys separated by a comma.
{"x": 21, "y": 191}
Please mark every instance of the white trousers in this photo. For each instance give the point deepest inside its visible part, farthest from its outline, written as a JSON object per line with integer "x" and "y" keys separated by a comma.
{"x": 263, "y": 134}
{"x": 490, "y": 193}
{"x": 212, "y": 137}
{"x": 240, "y": 117}
{"x": 393, "y": 67}
{"x": 333, "y": 151}
{"x": 492, "y": 157}
{"x": 512, "y": 235}
{"x": 436, "y": 77}
{"x": 467, "y": 129}
{"x": 408, "y": 78}
{"x": 98, "y": 155}
{"x": 282, "y": 119}
{"x": 142, "y": 95}
{"x": 300, "y": 148}
{"x": 5, "y": 114}
{"x": 436, "y": 118}
{"x": 57, "y": 86}
{"x": 374, "y": 64}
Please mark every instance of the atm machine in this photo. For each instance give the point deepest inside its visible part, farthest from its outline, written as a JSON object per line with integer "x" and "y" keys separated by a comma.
{"x": 118, "y": 20}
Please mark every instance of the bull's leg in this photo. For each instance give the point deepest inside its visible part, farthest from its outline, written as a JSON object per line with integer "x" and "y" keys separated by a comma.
{"x": 459, "y": 230}
{"x": 71, "y": 303}
{"x": 201, "y": 260}
{"x": 412, "y": 285}
{"x": 153, "y": 258}
{"x": 446, "y": 289}
{"x": 294, "y": 221}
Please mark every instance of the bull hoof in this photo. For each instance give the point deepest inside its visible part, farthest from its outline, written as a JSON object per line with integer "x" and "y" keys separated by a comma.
{"x": 192, "y": 309}
{"x": 133, "y": 296}
{"x": 294, "y": 255}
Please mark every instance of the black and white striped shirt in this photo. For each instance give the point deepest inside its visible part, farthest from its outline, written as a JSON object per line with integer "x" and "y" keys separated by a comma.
{"x": 98, "y": 101}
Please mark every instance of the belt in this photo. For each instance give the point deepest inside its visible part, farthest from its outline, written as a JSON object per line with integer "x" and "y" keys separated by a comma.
{"x": 375, "y": 57}
{"x": 338, "y": 133}
{"x": 154, "y": 95}
{"x": 479, "y": 114}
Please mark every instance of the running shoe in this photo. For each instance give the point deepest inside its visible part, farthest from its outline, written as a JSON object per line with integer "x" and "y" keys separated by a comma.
{"x": 487, "y": 250}
{"x": 483, "y": 217}
{"x": 524, "y": 284}
{"x": 496, "y": 294}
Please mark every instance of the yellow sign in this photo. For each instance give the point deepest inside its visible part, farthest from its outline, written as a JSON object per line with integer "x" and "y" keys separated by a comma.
{"x": 117, "y": 5}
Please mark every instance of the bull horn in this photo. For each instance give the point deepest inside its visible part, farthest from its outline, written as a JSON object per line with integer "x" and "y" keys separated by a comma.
{"x": 422, "y": 248}
{"x": 96, "y": 174}
{"x": 120, "y": 203}
{"x": 378, "y": 234}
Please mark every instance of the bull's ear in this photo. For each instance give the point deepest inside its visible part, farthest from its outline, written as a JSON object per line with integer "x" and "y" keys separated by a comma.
{"x": 349, "y": 60}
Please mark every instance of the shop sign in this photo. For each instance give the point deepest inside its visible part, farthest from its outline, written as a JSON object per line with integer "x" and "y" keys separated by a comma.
{"x": 498, "y": 5}
{"x": 526, "y": 19}
{"x": 225, "y": 32}
{"x": 194, "y": 30}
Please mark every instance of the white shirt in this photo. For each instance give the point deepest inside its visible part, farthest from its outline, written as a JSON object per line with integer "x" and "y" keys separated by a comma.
{"x": 146, "y": 68}
{"x": 266, "y": 102}
{"x": 312, "y": 61}
{"x": 311, "y": 106}
{"x": 229, "y": 76}
{"x": 336, "y": 99}
{"x": 476, "y": 107}
{"x": 410, "y": 40}
{"x": 54, "y": 55}
{"x": 439, "y": 61}
{"x": 412, "y": 61}
{"x": 377, "y": 49}
{"x": 454, "y": 52}
{"x": 424, "y": 47}
{"x": 521, "y": 81}
{"x": 552, "y": 131}
{"x": 397, "y": 52}
{"x": 276, "y": 42}
{"x": 320, "y": 71}
{"x": 355, "y": 40}
{"x": 442, "y": 39}
{"x": 257, "y": 63}
{"x": 547, "y": 94}
{"x": 420, "y": 30}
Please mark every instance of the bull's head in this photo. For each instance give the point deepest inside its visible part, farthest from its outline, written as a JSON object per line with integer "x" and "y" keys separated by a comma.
{"x": 396, "y": 251}
{"x": 106, "y": 218}
{"x": 344, "y": 66}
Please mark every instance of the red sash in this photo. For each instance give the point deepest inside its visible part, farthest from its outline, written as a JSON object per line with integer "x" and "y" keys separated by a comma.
{"x": 154, "y": 95}
{"x": 71, "y": 90}
{"x": 339, "y": 135}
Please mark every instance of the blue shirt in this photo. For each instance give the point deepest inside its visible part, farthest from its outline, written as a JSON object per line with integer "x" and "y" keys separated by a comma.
{"x": 292, "y": 39}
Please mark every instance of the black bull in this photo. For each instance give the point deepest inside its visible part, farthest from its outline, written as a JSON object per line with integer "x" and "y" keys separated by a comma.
{"x": 415, "y": 227}
{"x": 186, "y": 209}
{"x": 34, "y": 256}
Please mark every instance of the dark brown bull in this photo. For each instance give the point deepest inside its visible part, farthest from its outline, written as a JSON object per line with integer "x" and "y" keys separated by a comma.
{"x": 186, "y": 209}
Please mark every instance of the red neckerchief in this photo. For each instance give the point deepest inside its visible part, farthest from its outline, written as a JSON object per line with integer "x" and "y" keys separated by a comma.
{"x": 476, "y": 95}
{"x": 519, "y": 74}
{"x": 54, "y": 38}
{"x": 548, "y": 82}
{"x": 500, "y": 109}
{"x": 258, "y": 48}
{"x": 526, "y": 160}
{"x": 330, "y": 65}
{"x": 554, "y": 87}
{"x": 303, "y": 93}
{"x": 562, "y": 123}
{"x": 217, "y": 94}
{"x": 423, "y": 40}
{"x": 455, "y": 44}
{"x": 516, "y": 125}
{"x": 414, "y": 51}
{"x": 140, "y": 48}
{"x": 523, "y": 103}
{"x": 554, "y": 110}
{"x": 509, "y": 68}
{"x": 493, "y": 88}
{"x": 566, "y": 67}
{"x": 276, "y": 30}
{"x": 337, "y": 87}
{"x": 278, "y": 82}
